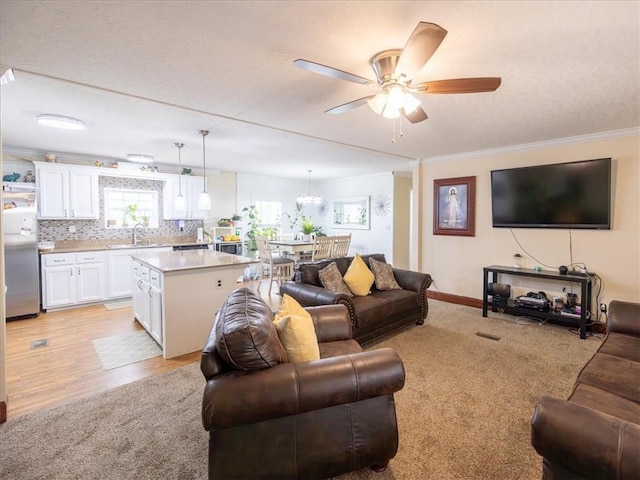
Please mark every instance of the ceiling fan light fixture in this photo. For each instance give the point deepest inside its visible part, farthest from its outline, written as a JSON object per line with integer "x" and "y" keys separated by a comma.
{"x": 410, "y": 103}
{"x": 395, "y": 98}
{"x": 139, "y": 158}
{"x": 378, "y": 102}
{"x": 60, "y": 121}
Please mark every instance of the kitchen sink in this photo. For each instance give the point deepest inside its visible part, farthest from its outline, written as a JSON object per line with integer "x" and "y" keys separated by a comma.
{"x": 131, "y": 245}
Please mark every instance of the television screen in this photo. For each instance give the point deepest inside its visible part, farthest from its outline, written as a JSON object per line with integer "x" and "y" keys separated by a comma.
{"x": 560, "y": 195}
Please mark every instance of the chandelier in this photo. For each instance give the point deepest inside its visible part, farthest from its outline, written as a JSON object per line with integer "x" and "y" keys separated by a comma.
{"x": 309, "y": 198}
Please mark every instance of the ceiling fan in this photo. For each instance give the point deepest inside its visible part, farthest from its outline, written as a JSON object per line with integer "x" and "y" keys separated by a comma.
{"x": 394, "y": 70}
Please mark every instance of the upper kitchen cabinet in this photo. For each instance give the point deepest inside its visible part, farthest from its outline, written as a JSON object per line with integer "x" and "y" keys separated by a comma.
{"x": 67, "y": 191}
{"x": 191, "y": 189}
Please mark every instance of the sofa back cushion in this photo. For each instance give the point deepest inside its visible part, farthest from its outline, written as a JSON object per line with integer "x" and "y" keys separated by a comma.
{"x": 308, "y": 272}
{"x": 246, "y": 337}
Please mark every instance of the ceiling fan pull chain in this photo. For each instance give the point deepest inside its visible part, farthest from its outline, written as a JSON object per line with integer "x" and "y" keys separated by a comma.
{"x": 393, "y": 137}
{"x": 400, "y": 121}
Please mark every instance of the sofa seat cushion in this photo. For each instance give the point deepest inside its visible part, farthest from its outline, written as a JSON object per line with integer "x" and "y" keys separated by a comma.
{"x": 606, "y": 402}
{"x": 622, "y": 345}
{"x": 339, "y": 347}
{"x": 372, "y": 309}
{"x": 403, "y": 301}
{"x": 612, "y": 374}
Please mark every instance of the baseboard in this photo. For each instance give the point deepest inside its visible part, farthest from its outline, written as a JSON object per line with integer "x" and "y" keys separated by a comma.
{"x": 3, "y": 412}
{"x": 457, "y": 299}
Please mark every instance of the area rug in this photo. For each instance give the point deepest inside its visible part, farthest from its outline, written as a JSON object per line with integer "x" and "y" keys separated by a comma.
{"x": 119, "y": 350}
{"x": 464, "y": 412}
{"x": 117, "y": 304}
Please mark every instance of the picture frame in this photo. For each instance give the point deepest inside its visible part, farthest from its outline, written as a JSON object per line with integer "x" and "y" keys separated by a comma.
{"x": 351, "y": 213}
{"x": 454, "y": 206}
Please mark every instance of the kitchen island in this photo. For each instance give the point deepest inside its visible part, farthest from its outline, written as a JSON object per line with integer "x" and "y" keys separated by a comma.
{"x": 177, "y": 294}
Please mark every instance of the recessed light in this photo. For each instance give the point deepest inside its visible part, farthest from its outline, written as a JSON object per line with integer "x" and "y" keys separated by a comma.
{"x": 60, "y": 121}
{"x": 139, "y": 158}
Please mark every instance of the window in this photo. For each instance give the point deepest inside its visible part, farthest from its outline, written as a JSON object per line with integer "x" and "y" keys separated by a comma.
{"x": 270, "y": 213}
{"x": 124, "y": 208}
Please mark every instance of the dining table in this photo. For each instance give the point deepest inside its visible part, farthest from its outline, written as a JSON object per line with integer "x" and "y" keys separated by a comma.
{"x": 295, "y": 248}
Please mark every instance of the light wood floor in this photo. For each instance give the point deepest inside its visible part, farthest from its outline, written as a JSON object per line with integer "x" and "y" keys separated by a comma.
{"x": 68, "y": 368}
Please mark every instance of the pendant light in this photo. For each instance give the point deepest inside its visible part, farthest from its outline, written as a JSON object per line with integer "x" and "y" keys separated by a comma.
{"x": 204, "y": 202}
{"x": 309, "y": 198}
{"x": 180, "y": 203}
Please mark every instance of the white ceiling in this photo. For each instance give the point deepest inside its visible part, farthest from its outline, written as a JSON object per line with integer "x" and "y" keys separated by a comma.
{"x": 568, "y": 68}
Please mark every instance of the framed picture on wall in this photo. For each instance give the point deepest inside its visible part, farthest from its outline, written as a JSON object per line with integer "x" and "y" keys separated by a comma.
{"x": 454, "y": 206}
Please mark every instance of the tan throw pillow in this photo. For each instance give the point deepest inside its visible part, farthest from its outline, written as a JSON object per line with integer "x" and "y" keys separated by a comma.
{"x": 296, "y": 331}
{"x": 358, "y": 277}
{"x": 383, "y": 272}
{"x": 331, "y": 279}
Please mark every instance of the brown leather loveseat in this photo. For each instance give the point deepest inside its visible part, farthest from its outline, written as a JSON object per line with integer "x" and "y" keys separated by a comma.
{"x": 374, "y": 315}
{"x": 269, "y": 418}
{"x": 595, "y": 434}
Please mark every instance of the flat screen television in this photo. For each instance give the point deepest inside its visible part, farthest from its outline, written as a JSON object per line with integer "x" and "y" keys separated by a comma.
{"x": 569, "y": 195}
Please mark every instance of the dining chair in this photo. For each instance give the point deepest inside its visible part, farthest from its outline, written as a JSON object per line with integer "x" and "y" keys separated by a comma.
{"x": 276, "y": 268}
{"x": 341, "y": 245}
{"x": 322, "y": 248}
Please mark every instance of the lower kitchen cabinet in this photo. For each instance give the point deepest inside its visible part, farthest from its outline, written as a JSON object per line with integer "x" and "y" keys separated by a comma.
{"x": 119, "y": 275}
{"x": 147, "y": 300}
{"x": 72, "y": 279}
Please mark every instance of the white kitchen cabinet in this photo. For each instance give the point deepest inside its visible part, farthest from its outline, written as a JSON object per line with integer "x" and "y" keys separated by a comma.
{"x": 67, "y": 191}
{"x": 155, "y": 313}
{"x": 70, "y": 279}
{"x": 147, "y": 300}
{"x": 120, "y": 282}
{"x": 191, "y": 189}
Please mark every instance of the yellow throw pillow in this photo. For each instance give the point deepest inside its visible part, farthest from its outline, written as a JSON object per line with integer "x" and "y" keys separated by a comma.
{"x": 358, "y": 277}
{"x": 296, "y": 331}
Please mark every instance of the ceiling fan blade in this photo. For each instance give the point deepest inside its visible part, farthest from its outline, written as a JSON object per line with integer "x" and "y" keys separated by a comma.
{"x": 422, "y": 44}
{"x": 417, "y": 116}
{"x": 349, "y": 105}
{"x": 331, "y": 72}
{"x": 460, "y": 85}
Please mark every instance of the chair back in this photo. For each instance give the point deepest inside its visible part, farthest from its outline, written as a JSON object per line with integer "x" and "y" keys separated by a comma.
{"x": 322, "y": 248}
{"x": 264, "y": 250}
{"x": 284, "y": 237}
{"x": 341, "y": 245}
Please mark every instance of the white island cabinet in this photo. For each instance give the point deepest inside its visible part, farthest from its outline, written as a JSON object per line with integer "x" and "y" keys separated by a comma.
{"x": 176, "y": 294}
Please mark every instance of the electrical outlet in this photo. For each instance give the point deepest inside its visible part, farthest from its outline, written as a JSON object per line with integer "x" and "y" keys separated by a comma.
{"x": 219, "y": 284}
{"x": 72, "y": 229}
{"x": 603, "y": 307}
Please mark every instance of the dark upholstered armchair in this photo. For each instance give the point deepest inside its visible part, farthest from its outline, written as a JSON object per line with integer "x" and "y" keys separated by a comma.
{"x": 299, "y": 420}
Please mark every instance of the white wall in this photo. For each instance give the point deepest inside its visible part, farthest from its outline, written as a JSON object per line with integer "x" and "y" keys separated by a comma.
{"x": 456, "y": 262}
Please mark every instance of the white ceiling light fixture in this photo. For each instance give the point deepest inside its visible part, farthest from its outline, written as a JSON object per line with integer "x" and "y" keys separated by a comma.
{"x": 60, "y": 121}
{"x": 204, "y": 201}
{"x": 7, "y": 77}
{"x": 180, "y": 203}
{"x": 139, "y": 158}
{"x": 309, "y": 198}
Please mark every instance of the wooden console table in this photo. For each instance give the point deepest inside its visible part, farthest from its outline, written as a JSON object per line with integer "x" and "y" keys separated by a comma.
{"x": 583, "y": 279}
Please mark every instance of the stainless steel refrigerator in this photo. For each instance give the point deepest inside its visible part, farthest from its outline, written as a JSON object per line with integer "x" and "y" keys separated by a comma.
{"x": 21, "y": 259}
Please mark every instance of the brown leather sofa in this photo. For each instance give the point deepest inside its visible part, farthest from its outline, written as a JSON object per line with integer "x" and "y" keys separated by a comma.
{"x": 298, "y": 420}
{"x": 373, "y": 316}
{"x": 595, "y": 434}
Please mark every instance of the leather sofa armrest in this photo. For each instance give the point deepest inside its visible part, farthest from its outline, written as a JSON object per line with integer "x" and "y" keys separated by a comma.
{"x": 240, "y": 398}
{"x": 585, "y": 441}
{"x": 311, "y": 295}
{"x": 624, "y": 317}
{"x": 331, "y": 323}
{"x": 409, "y": 280}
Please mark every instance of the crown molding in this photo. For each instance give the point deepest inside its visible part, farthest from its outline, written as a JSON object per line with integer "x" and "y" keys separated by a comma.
{"x": 592, "y": 137}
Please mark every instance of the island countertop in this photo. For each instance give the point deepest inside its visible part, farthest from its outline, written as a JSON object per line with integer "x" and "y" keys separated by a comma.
{"x": 191, "y": 259}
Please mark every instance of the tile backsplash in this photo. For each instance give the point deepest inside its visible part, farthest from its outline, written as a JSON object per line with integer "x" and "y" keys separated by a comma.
{"x": 58, "y": 230}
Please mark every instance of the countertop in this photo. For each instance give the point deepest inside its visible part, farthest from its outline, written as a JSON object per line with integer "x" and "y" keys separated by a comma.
{"x": 191, "y": 259}
{"x": 70, "y": 246}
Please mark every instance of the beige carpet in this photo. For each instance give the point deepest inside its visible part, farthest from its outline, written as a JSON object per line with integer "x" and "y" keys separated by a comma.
{"x": 464, "y": 412}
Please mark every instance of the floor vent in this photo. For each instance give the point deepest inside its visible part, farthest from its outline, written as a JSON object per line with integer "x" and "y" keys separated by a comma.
{"x": 39, "y": 343}
{"x": 488, "y": 335}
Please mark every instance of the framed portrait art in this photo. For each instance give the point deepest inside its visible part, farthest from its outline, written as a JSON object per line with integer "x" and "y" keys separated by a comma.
{"x": 454, "y": 206}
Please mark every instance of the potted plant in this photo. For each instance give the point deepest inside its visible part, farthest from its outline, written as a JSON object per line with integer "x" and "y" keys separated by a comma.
{"x": 236, "y": 219}
{"x": 308, "y": 227}
{"x": 254, "y": 224}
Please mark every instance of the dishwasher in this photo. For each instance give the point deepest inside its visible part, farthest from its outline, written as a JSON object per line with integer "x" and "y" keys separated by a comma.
{"x": 200, "y": 246}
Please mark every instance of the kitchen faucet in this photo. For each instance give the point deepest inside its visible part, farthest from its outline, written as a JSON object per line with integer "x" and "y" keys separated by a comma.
{"x": 135, "y": 232}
